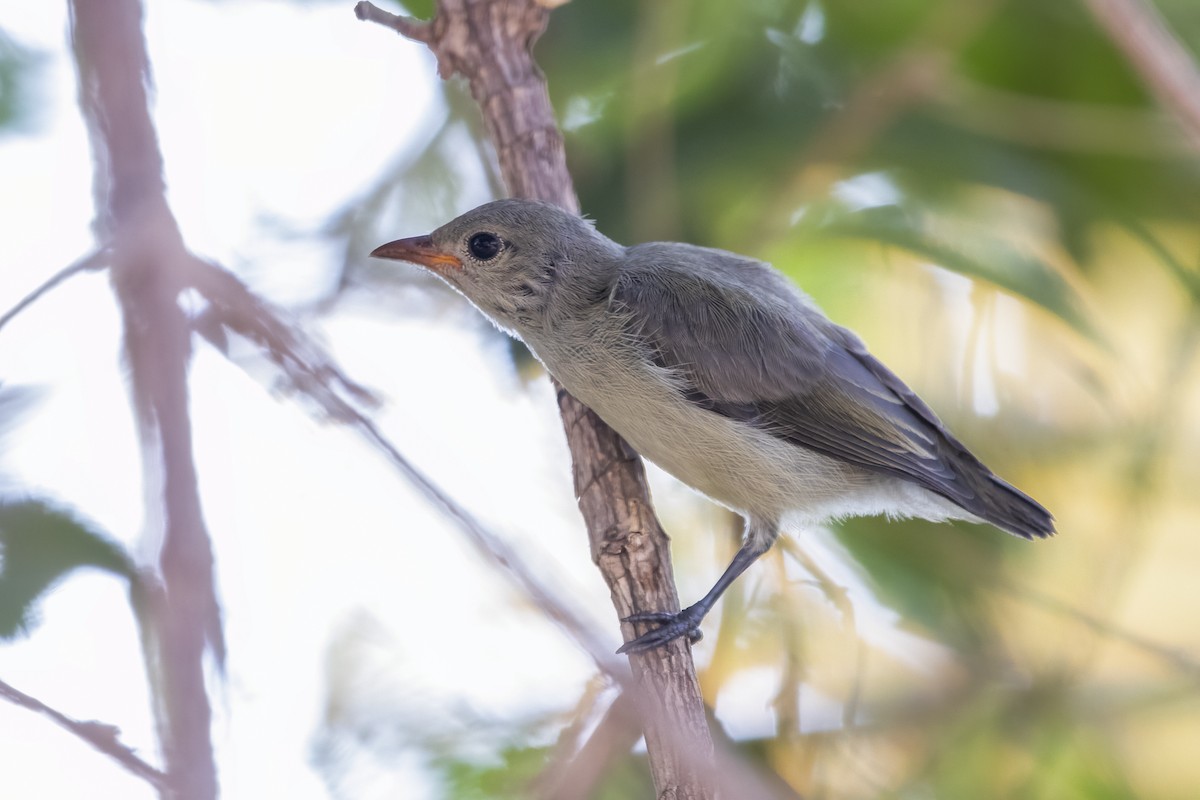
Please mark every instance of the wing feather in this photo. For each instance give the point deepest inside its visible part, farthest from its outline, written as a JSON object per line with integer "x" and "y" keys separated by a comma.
{"x": 744, "y": 343}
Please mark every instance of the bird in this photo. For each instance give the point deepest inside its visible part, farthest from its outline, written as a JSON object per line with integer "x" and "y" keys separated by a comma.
{"x": 721, "y": 371}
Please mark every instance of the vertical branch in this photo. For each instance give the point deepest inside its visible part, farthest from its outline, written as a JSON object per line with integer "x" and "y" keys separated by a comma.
{"x": 147, "y": 254}
{"x": 489, "y": 42}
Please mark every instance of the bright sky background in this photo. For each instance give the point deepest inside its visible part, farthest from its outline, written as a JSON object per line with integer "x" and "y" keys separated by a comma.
{"x": 287, "y": 111}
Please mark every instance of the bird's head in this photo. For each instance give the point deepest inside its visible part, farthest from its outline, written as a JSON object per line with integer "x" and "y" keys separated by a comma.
{"x": 517, "y": 260}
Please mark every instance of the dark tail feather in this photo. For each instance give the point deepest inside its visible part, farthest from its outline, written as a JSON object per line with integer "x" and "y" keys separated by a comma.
{"x": 1007, "y": 507}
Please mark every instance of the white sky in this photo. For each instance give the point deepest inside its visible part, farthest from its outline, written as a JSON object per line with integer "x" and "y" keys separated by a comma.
{"x": 284, "y": 110}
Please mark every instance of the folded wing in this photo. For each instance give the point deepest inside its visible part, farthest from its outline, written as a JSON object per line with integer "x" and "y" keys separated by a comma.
{"x": 743, "y": 343}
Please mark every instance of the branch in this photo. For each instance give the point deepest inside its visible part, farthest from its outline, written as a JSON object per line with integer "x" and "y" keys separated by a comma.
{"x": 183, "y": 623}
{"x": 1163, "y": 62}
{"x": 307, "y": 367}
{"x": 407, "y": 27}
{"x": 96, "y": 260}
{"x": 499, "y": 552}
{"x": 489, "y": 42}
{"x": 100, "y": 736}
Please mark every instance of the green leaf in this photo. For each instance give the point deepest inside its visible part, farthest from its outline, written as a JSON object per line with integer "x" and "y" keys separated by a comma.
{"x": 39, "y": 546}
{"x": 421, "y": 9}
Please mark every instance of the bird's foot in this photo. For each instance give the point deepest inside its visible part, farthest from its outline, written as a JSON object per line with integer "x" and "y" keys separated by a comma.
{"x": 671, "y": 626}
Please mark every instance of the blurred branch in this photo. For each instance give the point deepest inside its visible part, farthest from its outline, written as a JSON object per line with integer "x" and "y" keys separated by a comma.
{"x": 135, "y": 223}
{"x": 407, "y": 27}
{"x": 575, "y": 777}
{"x": 354, "y": 223}
{"x": 420, "y": 170}
{"x": 836, "y": 594}
{"x": 97, "y": 734}
{"x": 489, "y": 43}
{"x": 308, "y": 368}
{"x": 1176, "y": 658}
{"x": 95, "y": 260}
{"x": 577, "y": 767}
{"x": 794, "y": 670}
{"x": 503, "y": 555}
{"x": 1163, "y": 62}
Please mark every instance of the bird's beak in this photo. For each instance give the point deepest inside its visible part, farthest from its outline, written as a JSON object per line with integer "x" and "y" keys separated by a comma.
{"x": 418, "y": 250}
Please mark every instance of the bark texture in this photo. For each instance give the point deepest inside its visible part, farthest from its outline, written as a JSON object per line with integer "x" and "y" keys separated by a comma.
{"x": 489, "y": 42}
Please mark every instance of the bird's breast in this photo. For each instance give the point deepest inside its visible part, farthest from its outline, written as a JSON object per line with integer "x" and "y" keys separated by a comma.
{"x": 731, "y": 462}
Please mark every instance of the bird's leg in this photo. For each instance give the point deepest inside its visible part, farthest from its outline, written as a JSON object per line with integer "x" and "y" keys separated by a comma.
{"x": 759, "y": 537}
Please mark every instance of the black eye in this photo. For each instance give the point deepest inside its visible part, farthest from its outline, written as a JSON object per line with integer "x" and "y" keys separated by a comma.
{"x": 484, "y": 246}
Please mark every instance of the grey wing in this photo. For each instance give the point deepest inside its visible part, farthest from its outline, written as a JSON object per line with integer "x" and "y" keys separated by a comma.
{"x": 744, "y": 344}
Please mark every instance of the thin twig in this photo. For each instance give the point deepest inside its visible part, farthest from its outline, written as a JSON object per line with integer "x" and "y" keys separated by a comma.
{"x": 95, "y": 260}
{"x": 100, "y": 736}
{"x": 1163, "y": 62}
{"x": 502, "y": 554}
{"x": 840, "y": 598}
{"x": 405, "y": 26}
{"x": 1179, "y": 659}
{"x": 305, "y": 364}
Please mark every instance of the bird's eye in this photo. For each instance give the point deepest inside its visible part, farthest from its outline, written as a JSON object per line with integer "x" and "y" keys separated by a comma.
{"x": 484, "y": 246}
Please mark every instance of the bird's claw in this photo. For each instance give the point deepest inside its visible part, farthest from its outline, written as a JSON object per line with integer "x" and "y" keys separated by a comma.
{"x": 671, "y": 626}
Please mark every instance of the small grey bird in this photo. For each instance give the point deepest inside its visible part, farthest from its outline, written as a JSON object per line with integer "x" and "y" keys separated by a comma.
{"x": 718, "y": 369}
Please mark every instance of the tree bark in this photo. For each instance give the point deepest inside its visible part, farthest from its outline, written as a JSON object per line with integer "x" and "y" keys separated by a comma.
{"x": 489, "y": 42}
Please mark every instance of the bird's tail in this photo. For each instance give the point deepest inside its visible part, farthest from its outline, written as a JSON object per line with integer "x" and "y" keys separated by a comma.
{"x": 1007, "y": 507}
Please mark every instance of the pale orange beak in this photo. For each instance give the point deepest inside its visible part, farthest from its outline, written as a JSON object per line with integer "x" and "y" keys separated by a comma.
{"x": 418, "y": 250}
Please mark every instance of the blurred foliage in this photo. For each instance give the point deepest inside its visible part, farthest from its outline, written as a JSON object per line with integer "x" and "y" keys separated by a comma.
{"x": 747, "y": 102}
{"x": 40, "y": 545}
{"x": 964, "y": 248}
{"x": 17, "y": 65}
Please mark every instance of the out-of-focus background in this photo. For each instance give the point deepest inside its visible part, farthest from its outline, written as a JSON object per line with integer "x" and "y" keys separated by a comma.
{"x": 989, "y": 192}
